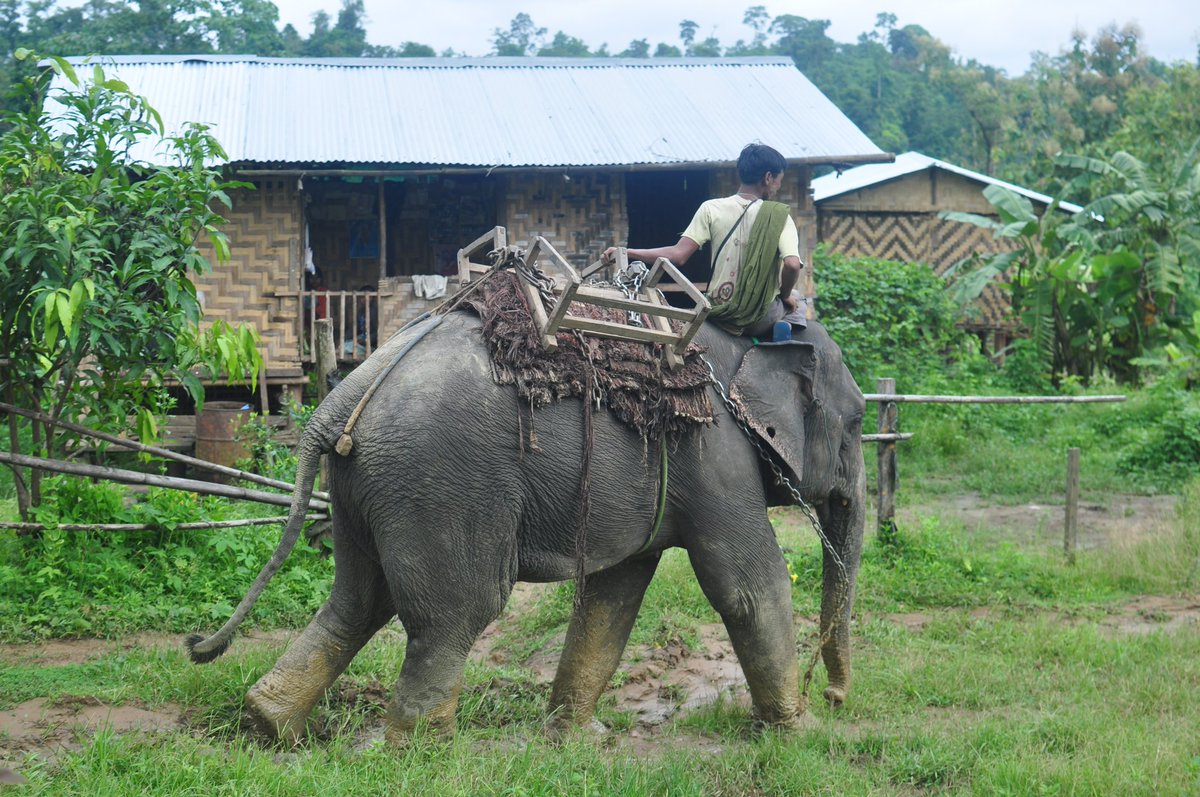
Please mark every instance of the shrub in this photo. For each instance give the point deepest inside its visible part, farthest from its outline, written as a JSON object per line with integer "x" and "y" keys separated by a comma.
{"x": 891, "y": 319}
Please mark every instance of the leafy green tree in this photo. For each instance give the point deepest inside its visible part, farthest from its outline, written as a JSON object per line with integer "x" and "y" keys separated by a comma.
{"x": 1160, "y": 119}
{"x": 97, "y": 308}
{"x": 687, "y": 32}
{"x": 345, "y": 38}
{"x": 1156, "y": 215}
{"x": 1114, "y": 285}
{"x": 1048, "y": 277}
{"x": 804, "y": 41}
{"x": 406, "y": 50}
{"x": 563, "y": 45}
{"x": 245, "y": 27}
{"x": 521, "y": 38}
{"x": 638, "y": 48}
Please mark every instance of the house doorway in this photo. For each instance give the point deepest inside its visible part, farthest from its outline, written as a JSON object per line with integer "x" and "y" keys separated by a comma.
{"x": 660, "y": 204}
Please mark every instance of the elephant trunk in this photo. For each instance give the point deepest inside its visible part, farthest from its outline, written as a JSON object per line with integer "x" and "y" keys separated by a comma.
{"x": 204, "y": 650}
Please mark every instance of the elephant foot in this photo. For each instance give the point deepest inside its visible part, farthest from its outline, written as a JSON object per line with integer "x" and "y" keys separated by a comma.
{"x": 835, "y": 695}
{"x": 272, "y": 718}
{"x": 559, "y": 729}
{"x": 791, "y": 720}
{"x": 406, "y": 722}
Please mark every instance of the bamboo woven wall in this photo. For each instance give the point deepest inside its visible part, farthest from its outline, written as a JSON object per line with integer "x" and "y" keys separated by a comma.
{"x": 264, "y": 231}
{"x": 580, "y": 217}
{"x": 917, "y": 238}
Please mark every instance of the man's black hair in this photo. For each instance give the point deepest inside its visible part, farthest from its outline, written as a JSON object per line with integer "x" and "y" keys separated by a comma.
{"x": 758, "y": 159}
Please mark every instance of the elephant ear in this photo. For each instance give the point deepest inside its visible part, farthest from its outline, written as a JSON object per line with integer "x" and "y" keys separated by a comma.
{"x": 772, "y": 388}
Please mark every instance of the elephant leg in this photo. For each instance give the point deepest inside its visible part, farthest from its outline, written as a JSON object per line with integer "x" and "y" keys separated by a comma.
{"x": 745, "y": 578}
{"x": 358, "y": 606}
{"x": 443, "y": 618}
{"x": 595, "y": 640}
{"x": 843, "y": 525}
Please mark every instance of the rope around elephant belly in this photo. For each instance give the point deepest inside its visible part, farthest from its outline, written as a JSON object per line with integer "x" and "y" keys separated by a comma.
{"x": 827, "y": 633}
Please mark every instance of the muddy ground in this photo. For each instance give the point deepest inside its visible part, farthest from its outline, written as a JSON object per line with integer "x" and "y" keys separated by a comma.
{"x": 657, "y": 684}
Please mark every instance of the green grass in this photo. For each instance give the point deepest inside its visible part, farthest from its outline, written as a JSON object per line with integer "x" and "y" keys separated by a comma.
{"x": 1014, "y": 681}
{"x": 1035, "y": 695}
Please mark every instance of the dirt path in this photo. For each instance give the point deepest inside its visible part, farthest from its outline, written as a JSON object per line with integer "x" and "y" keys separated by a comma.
{"x": 1121, "y": 520}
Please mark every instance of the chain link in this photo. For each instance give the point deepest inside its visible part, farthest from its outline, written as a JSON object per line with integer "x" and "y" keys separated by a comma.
{"x": 629, "y": 280}
{"x": 514, "y": 257}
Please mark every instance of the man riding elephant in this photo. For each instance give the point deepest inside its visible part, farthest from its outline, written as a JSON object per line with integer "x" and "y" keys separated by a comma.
{"x": 756, "y": 256}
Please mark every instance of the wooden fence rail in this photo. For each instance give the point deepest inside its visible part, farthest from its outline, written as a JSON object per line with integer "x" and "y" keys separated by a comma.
{"x": 888, "y": 434}
{"x": 122, "y": 476}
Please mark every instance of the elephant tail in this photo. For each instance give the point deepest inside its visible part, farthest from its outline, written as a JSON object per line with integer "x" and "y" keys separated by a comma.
{"x": 203, "y": 650}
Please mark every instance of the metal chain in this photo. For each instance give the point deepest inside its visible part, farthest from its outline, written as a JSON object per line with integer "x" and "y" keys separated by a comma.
{"x": 805, "y": 507}
{"x": 531, "y": 273}
{"x": 629, "y": 281}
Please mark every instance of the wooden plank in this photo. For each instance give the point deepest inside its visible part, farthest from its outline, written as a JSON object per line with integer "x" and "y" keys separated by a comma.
{"x": 920, "y": 399}
{"x": 608, "y": 329}
{"x": 619, "y": 262}
{"x": 673, "y": 358}
{"x": 611, "y": 297}
{"x": 571, "y": 281}
{"x": 550, "y": 342}
{"x": 496, "y": 238}
{"x": 692, "y": 328}
{"x": 664, "y": 265}
{"x": 382, "y": 231}
{"x": 671, "y": 287}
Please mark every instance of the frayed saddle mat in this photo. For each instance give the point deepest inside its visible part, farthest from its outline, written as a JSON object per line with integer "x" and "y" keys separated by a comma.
{"x": 637, "y": 387}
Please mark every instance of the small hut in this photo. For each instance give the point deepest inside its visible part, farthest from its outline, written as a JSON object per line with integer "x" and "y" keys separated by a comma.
{"x": 890, "y": 211}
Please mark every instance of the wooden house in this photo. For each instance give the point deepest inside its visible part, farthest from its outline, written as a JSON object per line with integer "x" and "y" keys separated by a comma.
{"x": 376, "y": 171}
{"x": 890, "y": 211}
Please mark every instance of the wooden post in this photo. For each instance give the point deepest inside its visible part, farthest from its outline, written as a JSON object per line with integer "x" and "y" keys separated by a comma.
{"x": 382, "y": 231}
{"x": 326, "y": 364}
{"x": 888, "y": 419}
{"x": 1071, "y": 530}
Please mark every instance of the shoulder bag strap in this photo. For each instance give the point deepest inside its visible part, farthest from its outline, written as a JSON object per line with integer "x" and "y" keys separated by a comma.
{"x": 713, "y": 265}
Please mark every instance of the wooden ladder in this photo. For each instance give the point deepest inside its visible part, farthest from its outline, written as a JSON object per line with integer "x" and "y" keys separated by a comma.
{"x": 569, "y": 287}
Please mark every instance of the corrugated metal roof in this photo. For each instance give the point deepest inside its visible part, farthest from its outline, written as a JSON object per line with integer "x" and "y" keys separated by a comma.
{"x": 831, "y": 185}
{"x": 495, "y": 112}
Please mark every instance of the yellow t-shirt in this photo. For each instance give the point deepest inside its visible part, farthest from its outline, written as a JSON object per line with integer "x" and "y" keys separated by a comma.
{"x": 712, "y": 222}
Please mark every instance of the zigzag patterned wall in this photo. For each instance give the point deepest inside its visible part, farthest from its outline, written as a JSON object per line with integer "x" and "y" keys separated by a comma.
{"x": 263, "y": 228}
{"x": 918, "y": 238}
{"x": 579, "y": 218}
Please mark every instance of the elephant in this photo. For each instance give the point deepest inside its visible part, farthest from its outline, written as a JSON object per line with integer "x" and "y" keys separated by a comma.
{"x": 438, "y": 509}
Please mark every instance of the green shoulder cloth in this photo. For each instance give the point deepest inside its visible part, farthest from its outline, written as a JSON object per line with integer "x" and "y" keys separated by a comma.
{"x": 758, "y": 277}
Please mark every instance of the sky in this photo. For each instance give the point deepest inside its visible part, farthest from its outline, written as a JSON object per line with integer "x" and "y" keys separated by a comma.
{"x": 1001, "y": 33}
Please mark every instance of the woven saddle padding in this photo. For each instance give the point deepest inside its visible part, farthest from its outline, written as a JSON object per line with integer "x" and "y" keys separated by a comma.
{"x": 637, "y": 388}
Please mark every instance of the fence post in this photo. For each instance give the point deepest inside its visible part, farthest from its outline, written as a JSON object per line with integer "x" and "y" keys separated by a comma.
{"x": 886, "y": 454}
{"x": 326, "y": 357}
{"x": 1070, "y": 532}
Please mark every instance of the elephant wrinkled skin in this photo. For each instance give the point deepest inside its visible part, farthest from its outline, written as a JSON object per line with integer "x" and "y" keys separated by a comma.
{"x": 442, "y": 505}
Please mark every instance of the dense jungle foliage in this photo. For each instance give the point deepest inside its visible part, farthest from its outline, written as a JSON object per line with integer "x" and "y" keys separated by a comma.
{"x": 1113, "y": 291}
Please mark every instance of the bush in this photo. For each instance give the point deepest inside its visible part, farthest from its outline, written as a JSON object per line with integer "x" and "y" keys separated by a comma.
{"x": 69, "y": 583}
{"x": 891, "y": 319}
{"x": 1164, "y": 441}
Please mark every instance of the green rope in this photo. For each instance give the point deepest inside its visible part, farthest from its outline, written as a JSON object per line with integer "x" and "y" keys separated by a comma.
{"x": 661, "y": 509}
